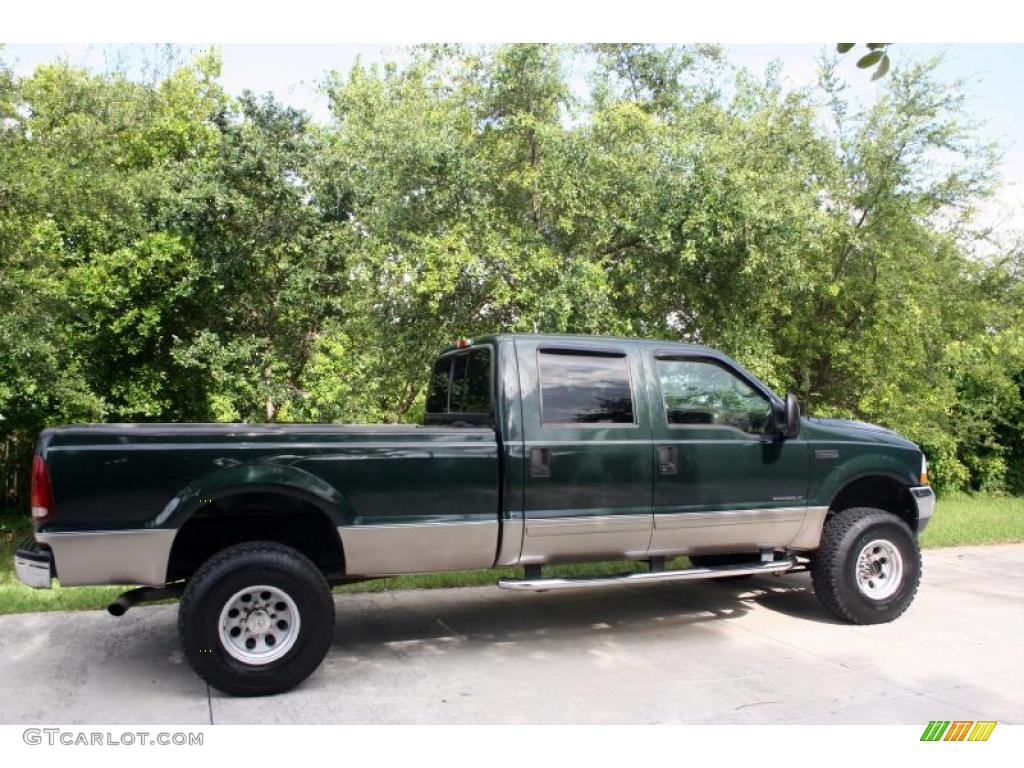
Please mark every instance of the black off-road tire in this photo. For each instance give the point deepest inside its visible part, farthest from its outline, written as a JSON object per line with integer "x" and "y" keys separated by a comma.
{"x": 235, "y": 569}
{"x": 834, "y": 565}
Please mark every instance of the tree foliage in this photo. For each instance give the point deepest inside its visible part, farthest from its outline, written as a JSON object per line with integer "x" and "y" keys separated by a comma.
{"x": 172, "y": 253}
{"x": 877, "y": 57}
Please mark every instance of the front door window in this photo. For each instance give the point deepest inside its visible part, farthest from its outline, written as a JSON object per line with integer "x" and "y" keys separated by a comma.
{"x": 700, "y": 393}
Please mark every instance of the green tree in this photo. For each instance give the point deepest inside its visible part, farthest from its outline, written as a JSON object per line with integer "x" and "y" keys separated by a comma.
{"x": 172, "y": 253}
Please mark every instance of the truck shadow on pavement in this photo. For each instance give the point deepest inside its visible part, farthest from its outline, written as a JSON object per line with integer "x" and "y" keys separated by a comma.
{"x": 791, "y": 596}
{"x": 366, "y": 621}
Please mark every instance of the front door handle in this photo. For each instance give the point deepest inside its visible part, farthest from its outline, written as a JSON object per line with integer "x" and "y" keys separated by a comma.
{"x": 667, "y": 460}
{"x": 540, "y": 462}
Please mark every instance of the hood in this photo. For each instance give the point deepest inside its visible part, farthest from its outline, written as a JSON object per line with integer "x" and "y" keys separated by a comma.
{"x": 855, "y": 430}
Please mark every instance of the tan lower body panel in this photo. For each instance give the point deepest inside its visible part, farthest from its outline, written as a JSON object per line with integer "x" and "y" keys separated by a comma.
{"x": 141, "y": 556}
{"x": 599, "y": 537}
{"x": 809, "y": 535}
{"x": 389, "y": 550}
{"x": 738, "y": 530}
{"x": 511, "y": 542}
{"x": 111, "y": 557}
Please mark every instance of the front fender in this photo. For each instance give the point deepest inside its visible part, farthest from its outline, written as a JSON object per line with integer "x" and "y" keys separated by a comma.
{"x": 856, "y": 468}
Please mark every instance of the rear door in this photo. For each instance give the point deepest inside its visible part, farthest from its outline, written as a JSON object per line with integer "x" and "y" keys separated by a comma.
{"x": 588, "y": 451}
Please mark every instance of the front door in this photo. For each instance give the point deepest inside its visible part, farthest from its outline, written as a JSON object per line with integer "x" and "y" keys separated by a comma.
{"x": 588, "y": 451}
{"x": 723, "y": 481}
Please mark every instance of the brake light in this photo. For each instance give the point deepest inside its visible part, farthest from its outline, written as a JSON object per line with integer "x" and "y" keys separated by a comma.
{"x": 41, "y": 494}
{"x": 462, "y": 343}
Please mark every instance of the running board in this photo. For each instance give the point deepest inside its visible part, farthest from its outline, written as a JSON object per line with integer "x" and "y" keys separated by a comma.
{"x": 647, "y": 577}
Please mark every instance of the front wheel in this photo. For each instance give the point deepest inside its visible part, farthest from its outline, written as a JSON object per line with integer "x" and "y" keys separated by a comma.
{"x": 868, "y": 567}
{"x": 256, "y": 619}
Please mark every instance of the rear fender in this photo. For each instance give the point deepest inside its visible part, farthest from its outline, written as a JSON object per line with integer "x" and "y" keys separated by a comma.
{"x": 253, "y": 478}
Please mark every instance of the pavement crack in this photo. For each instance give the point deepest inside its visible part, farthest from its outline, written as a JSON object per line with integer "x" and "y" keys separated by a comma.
{"x": 451, "y": 631}
{"x": 933, "y": 697}
{"x": 830, "y": 660}
{"x": 754, "y": 704}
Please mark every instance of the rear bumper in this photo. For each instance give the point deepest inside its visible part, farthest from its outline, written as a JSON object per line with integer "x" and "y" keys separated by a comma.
{"x": 34, "y": 565}
{"x": 924, "y": 498}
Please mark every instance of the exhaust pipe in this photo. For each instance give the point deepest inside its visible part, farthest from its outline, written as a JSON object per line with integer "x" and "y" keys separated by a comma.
{"x": 145, "y": 595}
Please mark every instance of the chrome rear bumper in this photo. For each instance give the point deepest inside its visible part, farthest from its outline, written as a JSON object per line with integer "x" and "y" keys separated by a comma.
{"x": 34, "y": 566}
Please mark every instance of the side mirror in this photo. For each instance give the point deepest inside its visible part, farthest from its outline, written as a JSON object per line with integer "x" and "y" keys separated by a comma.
{"x": 787, "y": 418}
{"x": 791, "y": 425}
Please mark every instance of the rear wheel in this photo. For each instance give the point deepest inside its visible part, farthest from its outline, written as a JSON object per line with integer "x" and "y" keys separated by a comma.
{"x": 868, "y": 567}
{"x": 256, "y": 619}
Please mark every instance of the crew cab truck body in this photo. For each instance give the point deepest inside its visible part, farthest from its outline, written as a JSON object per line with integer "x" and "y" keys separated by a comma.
{"x": 535, "y": 450}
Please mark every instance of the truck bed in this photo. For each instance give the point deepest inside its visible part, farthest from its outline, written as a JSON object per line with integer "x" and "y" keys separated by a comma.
{"x": 429, "y": 492}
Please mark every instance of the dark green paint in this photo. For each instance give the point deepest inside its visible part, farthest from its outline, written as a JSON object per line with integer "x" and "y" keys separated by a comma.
{"x": 135, "y": 476}
{"x": 155, "y": 476}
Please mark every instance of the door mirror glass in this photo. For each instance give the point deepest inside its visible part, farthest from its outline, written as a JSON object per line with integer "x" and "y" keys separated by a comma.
{"x": 791, "y": 415}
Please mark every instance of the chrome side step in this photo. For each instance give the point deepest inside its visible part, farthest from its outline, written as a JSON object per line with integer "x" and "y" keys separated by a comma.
{"x": 647, "y": 577}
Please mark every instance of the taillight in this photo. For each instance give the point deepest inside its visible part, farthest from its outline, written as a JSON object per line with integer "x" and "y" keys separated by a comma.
{"x": 42, "y": 494}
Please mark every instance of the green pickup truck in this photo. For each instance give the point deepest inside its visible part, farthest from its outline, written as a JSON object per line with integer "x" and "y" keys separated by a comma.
{"x": 534, "y": 450}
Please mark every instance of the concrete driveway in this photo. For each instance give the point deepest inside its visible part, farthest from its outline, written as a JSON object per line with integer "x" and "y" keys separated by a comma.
{"x": 761, "y": 651}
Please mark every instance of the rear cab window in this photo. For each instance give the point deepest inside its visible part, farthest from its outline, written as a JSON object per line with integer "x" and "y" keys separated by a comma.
{"x": 461, "y": 391}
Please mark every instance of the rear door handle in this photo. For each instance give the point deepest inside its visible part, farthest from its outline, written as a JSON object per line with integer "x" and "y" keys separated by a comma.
{"x": 540, "y": 462}
{"x": 668, "y": 463}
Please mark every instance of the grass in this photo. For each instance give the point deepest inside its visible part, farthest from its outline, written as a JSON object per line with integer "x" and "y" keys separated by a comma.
{"x": 15, "y": 597}
{"x": 959, "y": 520}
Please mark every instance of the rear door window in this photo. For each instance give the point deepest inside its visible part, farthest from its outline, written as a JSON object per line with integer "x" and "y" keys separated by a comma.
{"x": 578, "y": 388}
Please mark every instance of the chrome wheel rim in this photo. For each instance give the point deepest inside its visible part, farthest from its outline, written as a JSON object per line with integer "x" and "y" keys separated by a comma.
{"x": 879, "y": 569}
{"x": 259, "y": 624}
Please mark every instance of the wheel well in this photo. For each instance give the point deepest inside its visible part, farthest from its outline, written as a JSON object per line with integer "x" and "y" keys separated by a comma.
{"x": 263, "y": 516}
{"x": 880, "y": 492}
